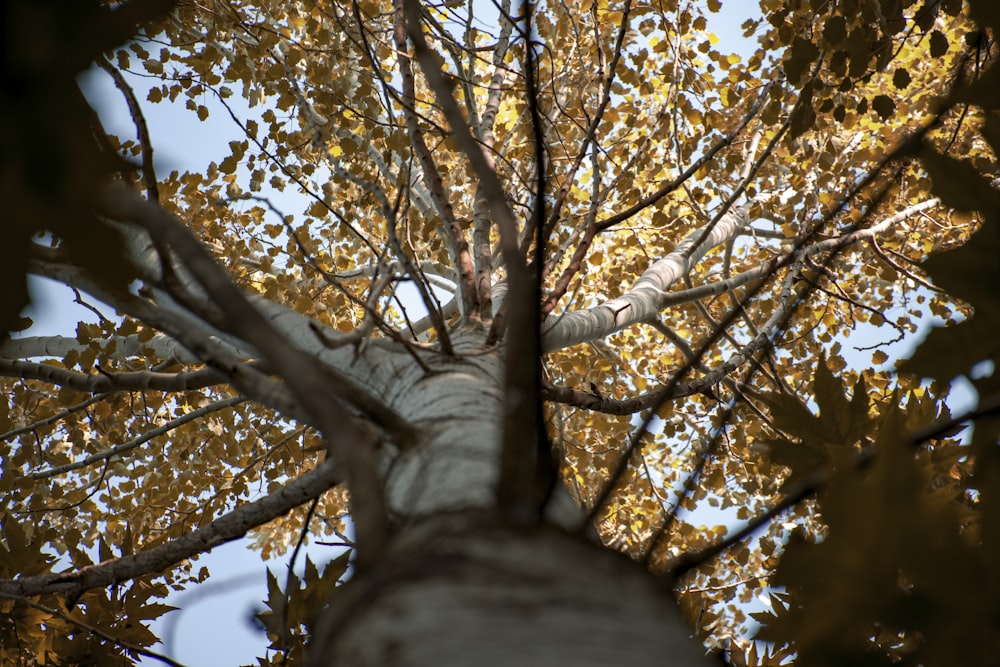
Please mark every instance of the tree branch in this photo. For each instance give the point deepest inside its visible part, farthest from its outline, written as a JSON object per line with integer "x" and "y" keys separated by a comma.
{"x": 480, "y": 159}
{"x": 142, "y": 439}
{"x": 93, "y": 630}
{"x": 710, "y": 154}
{"x": 457, "y": 241}
{"x": 316, "y": 390}
{"x": 645, "y": 299}
{"x": 591, "y": 133}
{"x": 107, "y": 381}
{"x": 594, "y": 227}
{"x": 226, "y": 528}
{"x": 481, "y": 220}
{"x": 142, "y": 130}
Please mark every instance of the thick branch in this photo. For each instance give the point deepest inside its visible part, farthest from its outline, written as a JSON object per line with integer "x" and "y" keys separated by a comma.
{"x": 655, "y": 398}
{"x": 646, "y": 298}
{"x": 481, "y": 220}
{"x": 480, "y": 159}
{"x": 115, "y": 347}
{"x": 314, "y": 388}
{"x": 192, "y": 341}
{"x": 520, "y": 432}
{"x": 106, "y": 381}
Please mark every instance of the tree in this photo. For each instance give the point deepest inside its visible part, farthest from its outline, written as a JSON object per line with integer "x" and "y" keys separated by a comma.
{"x": 637, "y": 259}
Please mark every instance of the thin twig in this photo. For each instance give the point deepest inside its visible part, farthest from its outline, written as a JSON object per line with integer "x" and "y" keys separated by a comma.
{"x": 128, "y": 646}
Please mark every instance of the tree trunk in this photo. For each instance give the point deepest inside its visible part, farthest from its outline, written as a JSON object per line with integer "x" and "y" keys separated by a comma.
{"x": 463, "y": 589}
{"x": 456, "y": 586}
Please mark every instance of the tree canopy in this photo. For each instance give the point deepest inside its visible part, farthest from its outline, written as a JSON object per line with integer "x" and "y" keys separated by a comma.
{"x": 485, "y": 255}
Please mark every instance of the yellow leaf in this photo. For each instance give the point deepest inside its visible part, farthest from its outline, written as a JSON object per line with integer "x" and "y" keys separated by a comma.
{"x": 303, "y": 303}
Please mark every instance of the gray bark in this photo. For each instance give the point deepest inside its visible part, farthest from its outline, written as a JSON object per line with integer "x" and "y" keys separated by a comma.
{"x": 462, "y": 589}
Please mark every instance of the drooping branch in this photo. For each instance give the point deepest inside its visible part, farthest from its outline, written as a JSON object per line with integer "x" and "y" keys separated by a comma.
{"x": 226, "y": 528}
{"x": 141, "y": 128}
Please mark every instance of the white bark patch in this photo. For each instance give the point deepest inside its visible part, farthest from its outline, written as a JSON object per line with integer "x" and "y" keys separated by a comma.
{"x": 457, "y": 410}
{"x": 463, "y": 590}
{"x": 647, "y": 296}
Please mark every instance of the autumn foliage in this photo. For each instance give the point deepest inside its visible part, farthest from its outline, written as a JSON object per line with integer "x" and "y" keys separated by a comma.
{"x": 724, "y": 246}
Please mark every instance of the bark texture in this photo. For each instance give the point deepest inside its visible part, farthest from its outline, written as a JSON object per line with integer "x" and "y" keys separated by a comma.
{"x": 463, "y": 589}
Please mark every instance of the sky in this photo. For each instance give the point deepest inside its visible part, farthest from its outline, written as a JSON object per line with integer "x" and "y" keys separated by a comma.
{"x": 214, "y": 628}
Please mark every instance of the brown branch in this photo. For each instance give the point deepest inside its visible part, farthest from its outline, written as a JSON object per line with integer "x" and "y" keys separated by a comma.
{"x": 140, "y": 440}
{"x": 388, "y": 211}
{"x": 480, "y": 160}
{"x": 810, "y": 485}
{"x": 576, "y": 262}
{"x": 528, "y": 470}
{"x": 591, "y": 133}
{"x": 108, "y": 381}
{"x": 51, "y": 419}
{"x": 142, "y": 130}
{"x": 902, "y": 149}
{"x": 92, "y": 630}
{"x": 457, "y": 240}
{"x": 710, "y": 154}
{"x": 226, "y": 528}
